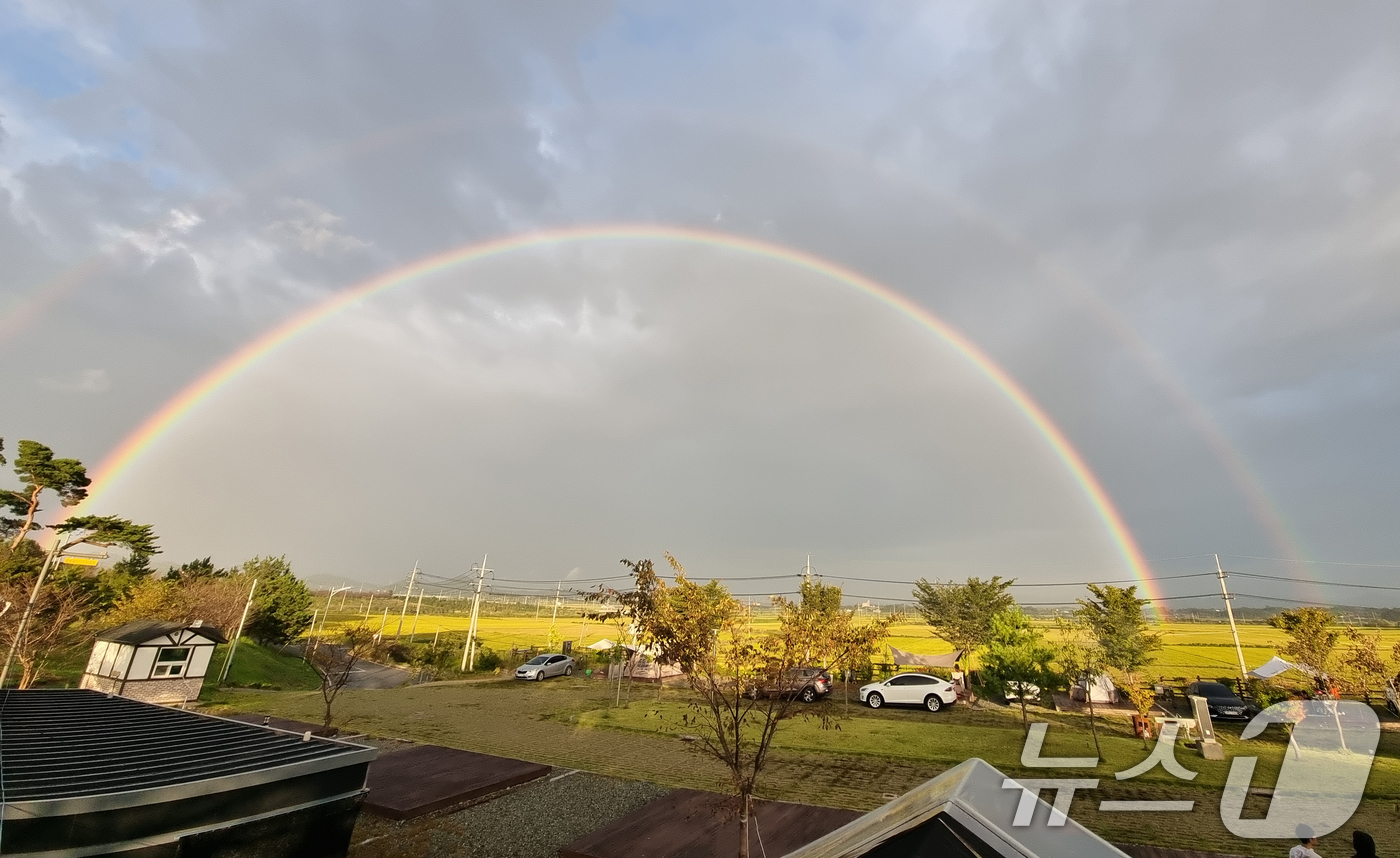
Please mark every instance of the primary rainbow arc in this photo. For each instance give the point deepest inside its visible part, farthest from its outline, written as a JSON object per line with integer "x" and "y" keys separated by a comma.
{"x": 129, "y": 451}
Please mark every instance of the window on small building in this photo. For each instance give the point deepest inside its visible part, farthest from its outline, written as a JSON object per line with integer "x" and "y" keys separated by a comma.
{"x": 171, "y": 661}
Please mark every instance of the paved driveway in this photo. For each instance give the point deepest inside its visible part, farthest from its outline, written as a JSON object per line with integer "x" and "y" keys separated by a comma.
{"x": 365, "y": 674}
{"x": 371, "y": 674}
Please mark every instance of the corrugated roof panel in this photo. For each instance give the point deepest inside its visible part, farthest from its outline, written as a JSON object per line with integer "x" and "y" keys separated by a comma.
{"x": 57, "y": 744}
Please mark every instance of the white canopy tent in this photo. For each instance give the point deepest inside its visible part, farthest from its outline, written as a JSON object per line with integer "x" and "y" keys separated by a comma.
{"x": 903, "y": 659}
{"x": 1274, "y": 666}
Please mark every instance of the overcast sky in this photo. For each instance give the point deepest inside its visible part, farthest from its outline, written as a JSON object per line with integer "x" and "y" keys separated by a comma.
{"x": 1175, "y": 225}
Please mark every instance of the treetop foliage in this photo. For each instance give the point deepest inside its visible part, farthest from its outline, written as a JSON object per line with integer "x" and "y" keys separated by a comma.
{"x": 282, "y": 602}
{"x": 107, "y": 531}
{"x": 194, "y": 570}
{"x": 963, "y": 614}
{"x": 1115, "y": 617}
{"x": 38, "y": 472}
{"x": 1311, "y": 636}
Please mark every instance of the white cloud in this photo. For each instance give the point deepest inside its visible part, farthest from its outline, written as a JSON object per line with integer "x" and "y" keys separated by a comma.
{"x": 1224, "y": 180}
{"x": 312, "y": 229}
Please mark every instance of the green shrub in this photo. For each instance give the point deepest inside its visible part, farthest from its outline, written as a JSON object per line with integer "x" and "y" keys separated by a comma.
{"x": 488, "y": 659}
{"x": 1265, "y": 694}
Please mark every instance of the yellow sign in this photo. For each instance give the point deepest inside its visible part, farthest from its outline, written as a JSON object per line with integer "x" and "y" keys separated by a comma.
{"x": 80, "y": 561}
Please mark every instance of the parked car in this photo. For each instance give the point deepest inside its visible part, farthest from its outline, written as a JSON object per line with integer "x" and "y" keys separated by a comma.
{"x": 917, "y": 689}
{"x": 1221, "y": 701}
{"x": 1015, "y": 689}
{"x": 808, "y": 684}
{"x": 544, "y": 666}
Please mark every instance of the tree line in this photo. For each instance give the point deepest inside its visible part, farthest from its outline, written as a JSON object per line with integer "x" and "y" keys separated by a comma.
{"x": 51, "y": 607}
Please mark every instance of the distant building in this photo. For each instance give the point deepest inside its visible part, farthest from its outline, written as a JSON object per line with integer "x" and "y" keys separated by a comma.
{"x": 152, "y": 660}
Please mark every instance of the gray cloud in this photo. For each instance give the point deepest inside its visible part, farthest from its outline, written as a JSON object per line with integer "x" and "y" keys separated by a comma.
{"x": 1220, "y": 178}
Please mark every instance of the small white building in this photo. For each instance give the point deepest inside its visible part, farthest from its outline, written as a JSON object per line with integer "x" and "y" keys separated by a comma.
{"x": 152, "y": 660}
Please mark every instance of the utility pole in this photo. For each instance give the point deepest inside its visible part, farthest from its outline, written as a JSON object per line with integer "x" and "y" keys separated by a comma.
{"x": 233, "y": 644}
{"x": 411, "y": 579}
{"x": 555, "y": 616}
{"x": 469, "y": 653}
{"x": 369, "y": 608}
{"x": 1230, "y": 612}
{"x": 807, "y": 571}
{"x": 327, "y": 612}
{"x": 383, "y": 621}
{"x": 416, "y": 611}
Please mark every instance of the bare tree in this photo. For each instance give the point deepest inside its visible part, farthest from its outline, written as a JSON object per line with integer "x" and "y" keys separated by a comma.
{"x": 216, "y": 601}
{"x": 335, "y": 662}
{"x": 629, "y": 612}
{"x": 1081, "y": 659}
{"x": 1366, "y": 667}
{"x": 746, "y": 684}
{"x": 54, "y": 622}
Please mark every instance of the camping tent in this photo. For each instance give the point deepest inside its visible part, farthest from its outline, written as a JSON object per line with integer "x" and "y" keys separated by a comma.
{"x": 902, "y": 658}
{"x": 1100, "y": 690}
{"x": 605, "y": 644}
{"x": 1274, "y": 666}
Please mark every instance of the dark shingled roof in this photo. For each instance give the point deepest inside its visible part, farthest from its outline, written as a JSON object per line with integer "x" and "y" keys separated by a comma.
{"x": 140, "y": 631}
{"x": 57, "y": 744}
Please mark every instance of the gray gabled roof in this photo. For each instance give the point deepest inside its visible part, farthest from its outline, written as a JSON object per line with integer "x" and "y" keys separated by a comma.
{"x": 142, "y": 631}
{"x": 967, "y": 810}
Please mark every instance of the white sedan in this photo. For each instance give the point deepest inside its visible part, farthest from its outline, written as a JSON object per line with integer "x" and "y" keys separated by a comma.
{"x": 918, "y": 689}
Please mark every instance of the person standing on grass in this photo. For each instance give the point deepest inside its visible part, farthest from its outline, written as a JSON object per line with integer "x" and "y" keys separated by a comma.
{"x": 959, "y": 680}
{"x": 1306, "y": 841}
{"x": 1362, "y": 845}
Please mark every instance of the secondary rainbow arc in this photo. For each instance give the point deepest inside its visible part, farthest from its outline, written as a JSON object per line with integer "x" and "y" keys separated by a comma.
{"x": 122, "y": 458}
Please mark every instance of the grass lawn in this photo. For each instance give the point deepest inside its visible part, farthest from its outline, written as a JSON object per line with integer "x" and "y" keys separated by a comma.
{"x": 257, "y": 666}
{"x": 873, "y": 756}
{"x": 63, "y": 668}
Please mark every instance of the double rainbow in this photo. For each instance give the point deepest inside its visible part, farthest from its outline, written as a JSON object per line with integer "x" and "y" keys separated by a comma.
{"x": 135, "y": 445}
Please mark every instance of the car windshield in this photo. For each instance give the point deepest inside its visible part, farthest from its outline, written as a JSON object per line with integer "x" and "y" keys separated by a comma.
{"x": 539, "y": 659}
{"x": 1213, "y": 689}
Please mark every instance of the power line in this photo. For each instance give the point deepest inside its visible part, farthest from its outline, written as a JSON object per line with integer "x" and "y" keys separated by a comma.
{"x": 1319, "y": 583}
{"x": 1317, "y": 562}
{"x": 1277, "y": 599}
{"x": 542, "y": 584}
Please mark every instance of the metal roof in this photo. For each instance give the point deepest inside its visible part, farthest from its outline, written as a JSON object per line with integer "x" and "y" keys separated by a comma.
{"x": 967, "y": 810}
{"x": 141, "y": 631}
{"x": 65, "y": 744}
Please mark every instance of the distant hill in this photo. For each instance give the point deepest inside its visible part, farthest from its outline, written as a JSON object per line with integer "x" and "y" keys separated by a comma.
{"x": 327, "y": 582}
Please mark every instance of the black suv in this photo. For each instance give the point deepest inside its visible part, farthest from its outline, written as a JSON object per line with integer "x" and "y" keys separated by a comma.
{"x": 1221, "y": 701}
